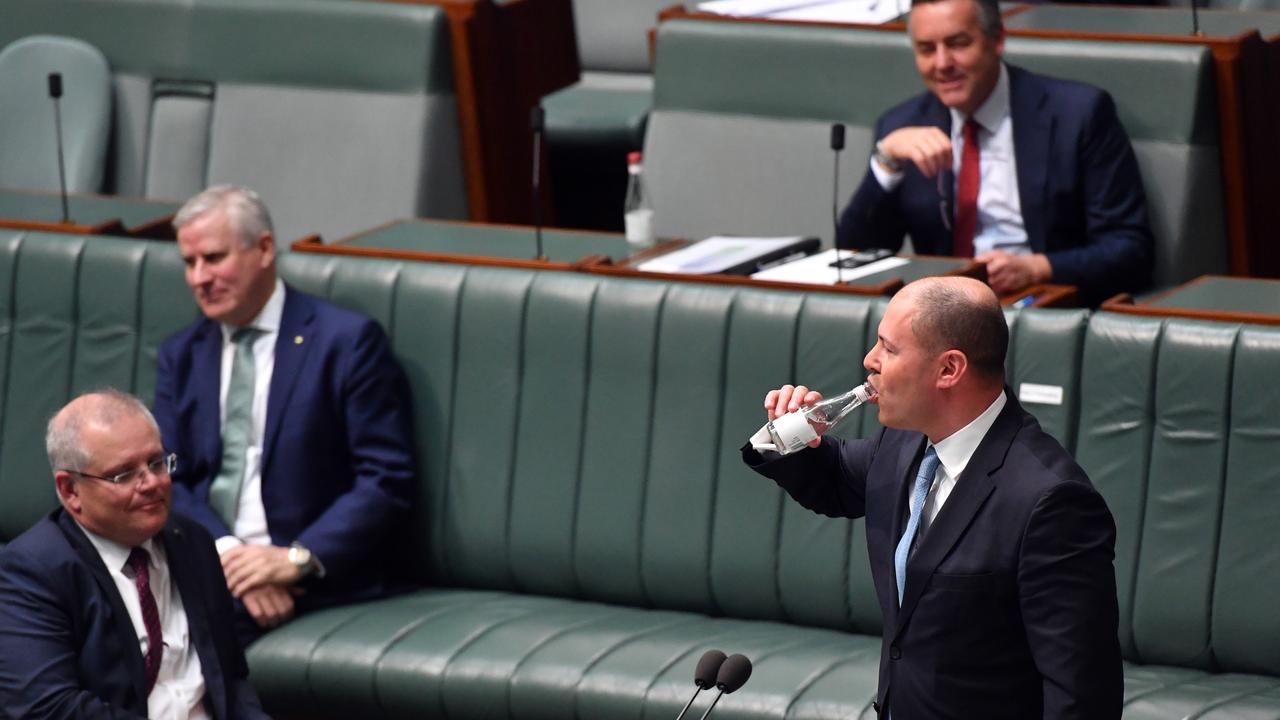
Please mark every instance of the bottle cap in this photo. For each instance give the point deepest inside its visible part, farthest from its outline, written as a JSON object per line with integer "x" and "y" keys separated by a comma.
{"x": 635, "y": 157}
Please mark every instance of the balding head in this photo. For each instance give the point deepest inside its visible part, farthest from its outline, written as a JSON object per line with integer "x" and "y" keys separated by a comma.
{"x": 104, "y": 408}
{"x": 960, "y": 313}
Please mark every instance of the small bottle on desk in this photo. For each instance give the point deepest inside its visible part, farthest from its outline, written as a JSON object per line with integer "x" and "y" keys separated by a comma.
{"x": 638, "y": 215}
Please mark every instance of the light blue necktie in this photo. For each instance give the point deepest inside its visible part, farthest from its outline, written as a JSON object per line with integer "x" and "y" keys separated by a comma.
{"x": 924, "y": 479}
{"x": 224, "y": 492}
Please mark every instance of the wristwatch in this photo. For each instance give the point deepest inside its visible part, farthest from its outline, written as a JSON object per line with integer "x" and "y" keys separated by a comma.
{"x": 302, "y": 559}
{"x": 884, "y": 161}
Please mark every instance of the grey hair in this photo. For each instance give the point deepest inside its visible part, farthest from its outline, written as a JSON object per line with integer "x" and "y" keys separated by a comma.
{"x": 245, "y": 211}
{"x": 989, "y": 20}
{"x": 62, "y": 439}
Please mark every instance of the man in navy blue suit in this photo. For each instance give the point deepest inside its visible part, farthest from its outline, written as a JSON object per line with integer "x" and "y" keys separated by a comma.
{"x": 112, "y": 607}
{"x": 291, "y": 417}
{"x": 1031, "y": 175}
{"x": 991, "y": 552}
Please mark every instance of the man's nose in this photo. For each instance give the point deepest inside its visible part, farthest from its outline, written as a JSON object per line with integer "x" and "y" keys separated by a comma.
{"x": 942, "y": 59}
{"x": 198, "y": 274}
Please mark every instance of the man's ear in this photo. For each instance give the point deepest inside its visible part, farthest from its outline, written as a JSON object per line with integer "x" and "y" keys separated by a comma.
{"x": 68, "y": 491}
{"x": 952, "y": 366}
{"x": 267, "y": 244}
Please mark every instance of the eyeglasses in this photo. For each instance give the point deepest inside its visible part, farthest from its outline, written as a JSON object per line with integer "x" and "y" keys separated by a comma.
{"x": 160, "y": 466}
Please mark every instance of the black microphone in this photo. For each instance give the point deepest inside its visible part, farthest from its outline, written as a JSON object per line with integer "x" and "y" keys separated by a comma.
{"x": 55, "y": 92}
{"x": 536, "y": 122}
{"x": 837, "y": 144}
{"x": 733, "y": 674}
{"x": 704, "y": 676}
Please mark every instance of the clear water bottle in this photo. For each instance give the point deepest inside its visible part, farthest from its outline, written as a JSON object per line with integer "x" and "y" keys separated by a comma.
{"x": 638, "y": 215}
{"x": 795, "y": 430}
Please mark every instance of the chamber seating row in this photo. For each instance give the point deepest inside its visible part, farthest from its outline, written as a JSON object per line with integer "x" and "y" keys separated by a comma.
{"x": 585, "y": 529}
{"x": 341, "y": 114}
{"x": 738, "y": 139}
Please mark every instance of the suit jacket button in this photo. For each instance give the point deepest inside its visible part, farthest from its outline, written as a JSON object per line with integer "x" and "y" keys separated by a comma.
{"x": 894, "y": 652}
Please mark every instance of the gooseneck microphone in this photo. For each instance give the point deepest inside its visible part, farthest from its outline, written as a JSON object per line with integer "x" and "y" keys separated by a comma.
{"x": 733, "y": 674}
{"x": 704, "y": 676}
{"x": 55, "y": 92}
{"x": 837, "y": 144}
{"x": 537, "y": 119}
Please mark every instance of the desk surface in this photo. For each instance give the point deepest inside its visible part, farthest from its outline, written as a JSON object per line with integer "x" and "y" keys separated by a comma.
{"x": 494, "y": 241}
{"x": 1212, "y": 297}
{"x": 44, "y": 208}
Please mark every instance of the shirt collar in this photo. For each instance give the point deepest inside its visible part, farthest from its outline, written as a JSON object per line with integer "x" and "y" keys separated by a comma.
{"x": 958, "y": 448}
{"x": 114, "y": 555}
{"x": 991, "y": 112}
{"x": 268, "y": 319}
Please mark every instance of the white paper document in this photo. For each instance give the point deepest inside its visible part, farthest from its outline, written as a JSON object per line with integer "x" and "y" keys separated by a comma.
{"x": 716, "y": 254}
{"x": 817, "y": 269}
{"x": 868, "y": 12}
{"x": 841, "y": 11}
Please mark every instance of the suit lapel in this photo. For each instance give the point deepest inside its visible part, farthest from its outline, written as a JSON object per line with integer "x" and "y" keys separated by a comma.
{"x": 1033, "y": 130}
{"x": 182, "y": 565}
{"x": 292, "y": 347}
{"x": 107, "y": 586}
{"x": 962, "y": 505}
{"x": 206, "y": 373}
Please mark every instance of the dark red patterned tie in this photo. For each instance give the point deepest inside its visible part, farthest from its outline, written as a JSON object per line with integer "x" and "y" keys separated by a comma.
{"x": 967, "y": 194}
{"x": 150, "y": 614}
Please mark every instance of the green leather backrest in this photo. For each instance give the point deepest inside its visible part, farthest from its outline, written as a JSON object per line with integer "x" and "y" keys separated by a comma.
{"x": 1178, "y": 432}
{"x": 76, "y": 313}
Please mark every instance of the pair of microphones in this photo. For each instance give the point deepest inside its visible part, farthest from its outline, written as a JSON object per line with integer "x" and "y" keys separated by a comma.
{"x": 716, "y": 670}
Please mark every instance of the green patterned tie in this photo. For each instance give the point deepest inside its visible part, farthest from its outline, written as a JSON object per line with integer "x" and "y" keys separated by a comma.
{"x": 224, "y": 493}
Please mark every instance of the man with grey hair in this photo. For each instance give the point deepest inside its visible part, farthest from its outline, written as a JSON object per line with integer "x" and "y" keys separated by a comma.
{"x": 292, "y": 419}
{"x": 1032, "y": 176}
{"x": 109, "y": 606}
{"x": 990, "y": 550}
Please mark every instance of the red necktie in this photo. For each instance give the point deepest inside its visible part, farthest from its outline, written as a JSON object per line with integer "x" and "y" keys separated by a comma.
{"x": 967, "y": 194}
{"x": 150, "y": 614}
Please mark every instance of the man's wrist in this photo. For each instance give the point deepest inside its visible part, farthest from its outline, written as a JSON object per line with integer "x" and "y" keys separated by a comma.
{"x": 886, "y": 161}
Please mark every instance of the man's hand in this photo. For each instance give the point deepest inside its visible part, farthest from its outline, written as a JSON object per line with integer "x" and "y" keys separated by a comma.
{"x": 789, "y": 398}
{"x": 248, "y": 567}
{"x": 1009, "y": 273}
{"x": 268, "y": 605}
{"x": 928, "y": 147}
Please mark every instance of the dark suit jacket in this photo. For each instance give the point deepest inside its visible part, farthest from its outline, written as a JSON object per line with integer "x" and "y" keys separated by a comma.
{"x": 337, "y": 467}
{"x": 67, "y": 646}
{"x": 1010, "y": 602}
{"x": 1082, "y": 199}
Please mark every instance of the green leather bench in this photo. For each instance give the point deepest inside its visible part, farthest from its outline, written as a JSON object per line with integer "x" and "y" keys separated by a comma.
{"x": 738, "y": 139}
{"x": 586, "y": 529}
{"x": 342, "y": 114}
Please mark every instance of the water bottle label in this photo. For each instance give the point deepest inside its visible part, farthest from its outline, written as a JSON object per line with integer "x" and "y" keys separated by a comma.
{"x": 639, "y": 226}
{"x": 794, "y": 430}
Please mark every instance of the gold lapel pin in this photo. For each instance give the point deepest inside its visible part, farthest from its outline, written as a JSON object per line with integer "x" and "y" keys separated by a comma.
{"x": 297, "y": 339}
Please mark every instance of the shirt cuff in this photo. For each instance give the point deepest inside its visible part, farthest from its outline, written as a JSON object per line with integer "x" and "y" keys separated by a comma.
{"x": 888, "y": 180}
{"x": 226, "y": 542}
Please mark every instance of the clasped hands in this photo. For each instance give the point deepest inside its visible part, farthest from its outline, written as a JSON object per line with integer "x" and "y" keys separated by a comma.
{"x": 929, "y": 148}
{"x": 262, "y": 577}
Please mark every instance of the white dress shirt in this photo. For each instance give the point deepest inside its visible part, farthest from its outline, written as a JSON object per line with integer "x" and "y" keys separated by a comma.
{"x": 251, "y": 517}
{"x": 179, "y": 690}
{"x": 954, "y": 454}
{"x": 1000, "y": 225}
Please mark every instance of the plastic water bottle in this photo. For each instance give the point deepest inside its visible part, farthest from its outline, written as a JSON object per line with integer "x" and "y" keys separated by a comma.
{"x": 638, "y": 215}
{"x": 795, "y": 430}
